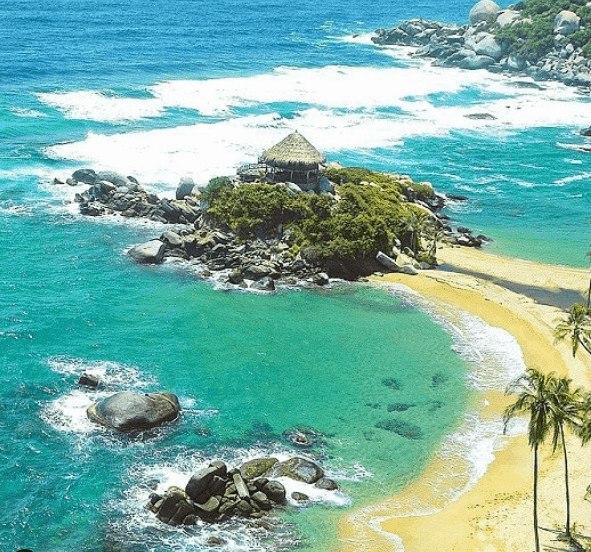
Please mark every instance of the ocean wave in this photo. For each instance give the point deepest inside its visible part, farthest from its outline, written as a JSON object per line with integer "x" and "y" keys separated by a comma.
{"x": 586, "y": 175}
{"x": 27, "y": 113}
{"x": 99, "y": 107}
{"x": 338, "y": 108}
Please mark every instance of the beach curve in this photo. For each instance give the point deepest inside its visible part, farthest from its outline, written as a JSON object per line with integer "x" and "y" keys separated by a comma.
{"x": 494, "y": 514}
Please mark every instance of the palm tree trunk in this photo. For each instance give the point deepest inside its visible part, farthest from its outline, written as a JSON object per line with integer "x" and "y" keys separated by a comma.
{"x": 567, "y": 532}
{"x": 581, "y": 342}
{"x": 536, "y": 532}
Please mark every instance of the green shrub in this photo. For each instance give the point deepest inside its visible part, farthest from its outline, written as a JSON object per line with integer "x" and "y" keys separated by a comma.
{"x": 365, "y": 219}
{"x": 215, "y": 185}
{"x": 536, "y": 37}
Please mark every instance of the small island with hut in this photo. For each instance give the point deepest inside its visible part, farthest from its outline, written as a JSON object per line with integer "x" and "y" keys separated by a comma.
{"x": 290, "y": 219}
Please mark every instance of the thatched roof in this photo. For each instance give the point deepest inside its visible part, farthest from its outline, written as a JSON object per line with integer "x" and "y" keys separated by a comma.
{"x": 293, "y": 152}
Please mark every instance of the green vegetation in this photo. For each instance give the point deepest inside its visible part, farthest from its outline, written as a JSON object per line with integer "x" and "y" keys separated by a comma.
{"x": 215, "y": 185}
{"x": 368, "y": 213}
{"x": 534, "y": 35}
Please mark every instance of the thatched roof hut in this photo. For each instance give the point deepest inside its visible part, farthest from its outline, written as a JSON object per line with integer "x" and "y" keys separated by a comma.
{"x": 294, "y": 152}
{"x": 293, "y": 158}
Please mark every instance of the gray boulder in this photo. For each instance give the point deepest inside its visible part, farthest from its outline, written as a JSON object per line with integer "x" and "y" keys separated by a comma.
{"x": 387, "y": 262}
{"x": 257, "y": 467}
{"x": 293, "y": 187}
{"x": 566, "y": 23}
{"x": 488, "y": 45}
{"x": 299, "y": 469}
{"x": 86, "y": 176}
{"x": 89, "y": 380}
{"x": 186, "y": 188}
{"x": 201, "y": 480}
{"x": 125, "y": 411}
{"x": 475, "y": 61}
{"x": 485, "y": 10}
{"x": 409, "y": 269}
{"x": 275, "y": 491}
{"x": 263, "y": 284}
{"x": 325, "y": 186}
{"x": 114, "y": 178}
{"x": 151, "y": 252}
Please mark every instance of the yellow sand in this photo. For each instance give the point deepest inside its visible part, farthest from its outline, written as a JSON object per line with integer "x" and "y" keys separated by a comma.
{"x": 496, "y": 513}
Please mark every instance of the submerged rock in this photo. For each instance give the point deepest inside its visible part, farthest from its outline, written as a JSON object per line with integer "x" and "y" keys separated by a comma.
{"x": 298, "y": 469}
{"x": 404, "y": 429}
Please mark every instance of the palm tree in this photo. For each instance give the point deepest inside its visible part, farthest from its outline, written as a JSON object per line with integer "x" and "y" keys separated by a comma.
{"x": 533, "y": 389}
{"x": 589, "y": 290}
{"x": 436, "y": 233}
{"x": 566, "y": 408}
{"x": 415, "y": 224}
{"x": 577, "y": 327}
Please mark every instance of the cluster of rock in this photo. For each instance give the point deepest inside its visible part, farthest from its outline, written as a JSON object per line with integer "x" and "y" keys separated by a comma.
{"x": 475, "y": 46}
{"x": 257, "y": 264}
{"x": 111, "y": 193}
{"x": 215, "y": 493}
{"x": 126, "y": 411}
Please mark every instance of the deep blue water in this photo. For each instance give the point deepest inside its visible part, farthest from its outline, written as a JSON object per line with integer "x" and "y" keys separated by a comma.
{"x": 161, "y": 90}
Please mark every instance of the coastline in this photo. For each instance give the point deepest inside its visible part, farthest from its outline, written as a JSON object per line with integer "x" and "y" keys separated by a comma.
{"x": 495, "y": 513}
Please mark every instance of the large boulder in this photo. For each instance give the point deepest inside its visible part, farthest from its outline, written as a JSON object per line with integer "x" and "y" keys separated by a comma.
{"x": 387, "y": 262}
{"x": 488, "y": 45}
{"x": 566, "y": 23}
{"x": 114, "y": 178}
{"x": 201, "y": 480}
{"x": 151, "y": 252}
{"x": 507, "y": 17}
{"x": 299, "y": 469}
{"x": 186, "y": 188}
{"x": 475, "y": 61}
{"x": 485, "y": 10}
{"x": 257, "y": 467}
{"x": 86, "y": 176}
{"x": 126, "y": 411}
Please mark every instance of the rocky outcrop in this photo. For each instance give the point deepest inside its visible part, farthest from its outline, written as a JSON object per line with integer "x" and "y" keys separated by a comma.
{"x": 216, "y": 253}
{"x": 126, "y": 411}
{"x": 216, "y": 493}
{"x": 475, "y": 46}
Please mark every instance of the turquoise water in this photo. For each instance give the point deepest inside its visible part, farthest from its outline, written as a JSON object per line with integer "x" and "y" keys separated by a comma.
{"x": 161, "y": 91}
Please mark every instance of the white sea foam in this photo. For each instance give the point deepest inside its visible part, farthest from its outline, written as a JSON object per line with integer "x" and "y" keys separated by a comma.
{"x": 336, "y": 107}
{"x": 27, "y": 113}
{"x": 585, "y": 175}
{"x": 110, "y": 373}
{"x": 96, "y": 106}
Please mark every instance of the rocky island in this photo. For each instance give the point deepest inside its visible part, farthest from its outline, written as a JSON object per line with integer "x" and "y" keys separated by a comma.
{"x": 541, "y": 39}
{"x": 259, "y": 228}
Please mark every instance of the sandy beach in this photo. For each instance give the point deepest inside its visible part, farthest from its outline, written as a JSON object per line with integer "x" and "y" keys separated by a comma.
{"x": 495, "y": 514}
